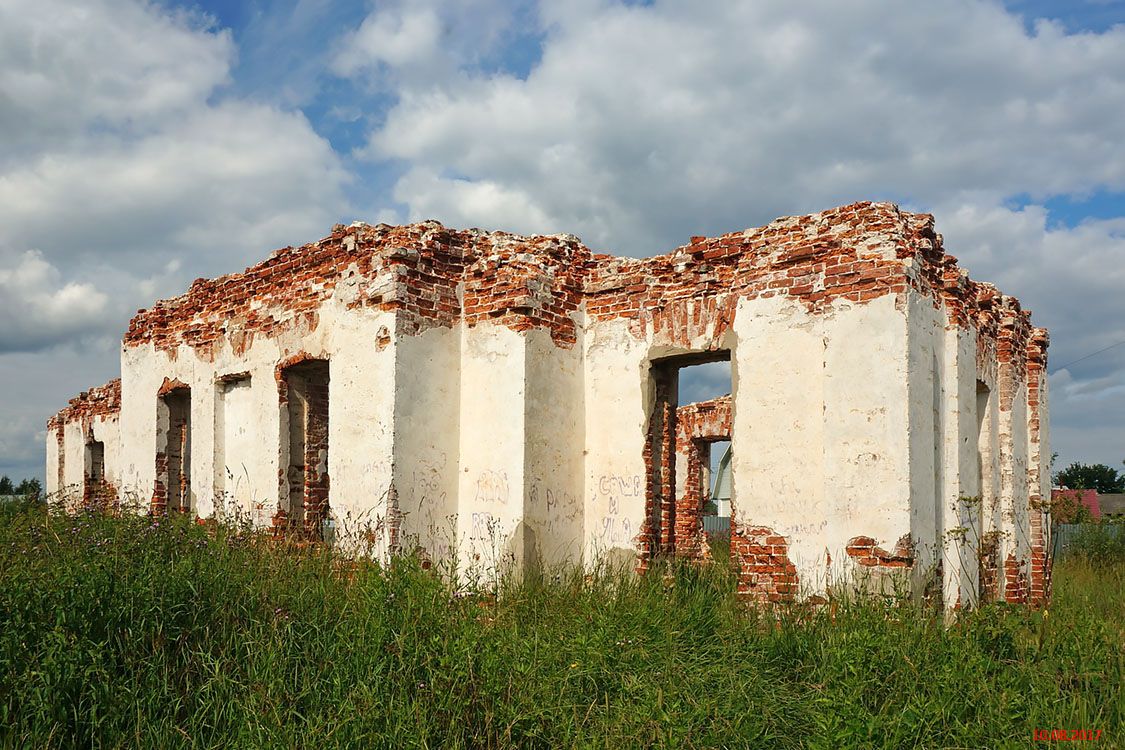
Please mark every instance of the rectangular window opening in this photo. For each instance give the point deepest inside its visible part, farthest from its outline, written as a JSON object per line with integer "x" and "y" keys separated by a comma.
{"x": 305, "y": 446}
{"x": 986, "y": 432}
{"x": 93, "y": 489}
{"x": 235, "y": 443}
{"x": 95, "y": 461}
{"x": 173, "y": 456}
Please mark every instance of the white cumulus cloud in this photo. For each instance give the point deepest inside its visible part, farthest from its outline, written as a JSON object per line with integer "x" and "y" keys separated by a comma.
{"x": 39, "y": 307}
{"x": 643, "y": 124}
{"x": 128, "y": 166}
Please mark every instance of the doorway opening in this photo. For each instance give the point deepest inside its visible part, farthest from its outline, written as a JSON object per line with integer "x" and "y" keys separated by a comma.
{"x": 691, "y": 413}
{"x": 304, "y": 446}
{"x": 173, "y": 451}
{"x": 93, "y": 484}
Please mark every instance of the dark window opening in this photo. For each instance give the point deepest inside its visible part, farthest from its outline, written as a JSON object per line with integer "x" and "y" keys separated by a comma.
{"x": 95, "y": 461}
{"x": 305, "y": 446}
{"x": 173, "y": 455}
{"x": 93, "y": 484}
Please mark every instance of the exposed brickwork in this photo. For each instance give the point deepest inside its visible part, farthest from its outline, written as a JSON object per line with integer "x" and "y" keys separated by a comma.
{"x": 657, "y": 538}
{"x": 316, "y": 458}
{"x": 172, "y": 484}
{"x": 765, "y": 572}
{"x": 171, "y": 385}
{"x": 416, "y": 270}
{"x": 303, "y": 388}
{"x": 1016, "y": 585}
{"x": 697, "y": 426}
{"x": 103, "y": 401}
{"x": 97, "y": 492}
{"x": 279, "y": 524}
{"x": 865, "y": 552}
{"x": 1038, "y": 506}
{"x": 988, "y": 568}
{"x": 432, "y": 275}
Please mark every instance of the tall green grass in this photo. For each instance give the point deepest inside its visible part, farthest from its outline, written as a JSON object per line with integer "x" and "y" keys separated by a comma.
{"x": 122, "y": 632}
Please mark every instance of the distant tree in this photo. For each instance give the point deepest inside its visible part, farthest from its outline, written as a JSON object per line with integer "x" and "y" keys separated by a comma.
{"x": 1100, "y": 477}
{"x": 6, "y": 487}
{"x": 30, "y": 487}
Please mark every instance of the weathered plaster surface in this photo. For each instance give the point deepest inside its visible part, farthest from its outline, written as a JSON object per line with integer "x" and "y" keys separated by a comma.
{"x": 496, "y": 399}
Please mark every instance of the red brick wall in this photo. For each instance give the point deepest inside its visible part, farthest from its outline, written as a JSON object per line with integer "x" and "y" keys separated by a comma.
{"x": 765, "y": 572}
{"x": 657, "y": 538}
{"x": 697, "y": 426}
{"x": 316, "y": 455}
{"x": 864, "y": 551}
{"x": 988, "y": 557}
{"x": 852, "y": 252}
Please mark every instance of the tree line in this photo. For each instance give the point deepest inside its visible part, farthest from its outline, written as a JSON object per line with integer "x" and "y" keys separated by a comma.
{"x": 25, "y": 487}
{"x": 1105, "y": 479}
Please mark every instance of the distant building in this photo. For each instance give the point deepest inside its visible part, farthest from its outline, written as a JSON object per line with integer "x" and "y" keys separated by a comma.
{"x": 1112, "y": 504}
{"x": 1089, "y": 499}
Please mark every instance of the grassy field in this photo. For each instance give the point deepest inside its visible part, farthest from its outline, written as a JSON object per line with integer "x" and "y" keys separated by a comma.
{"x": 128, "y": 633}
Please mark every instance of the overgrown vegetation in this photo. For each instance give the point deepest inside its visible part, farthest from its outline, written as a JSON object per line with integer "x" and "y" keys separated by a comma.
{"x": 130, "y": 632}
{"x": 1100, "y": 543}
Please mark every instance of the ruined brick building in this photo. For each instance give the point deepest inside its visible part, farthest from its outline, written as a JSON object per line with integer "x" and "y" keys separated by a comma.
{"x": 475, "y": 393}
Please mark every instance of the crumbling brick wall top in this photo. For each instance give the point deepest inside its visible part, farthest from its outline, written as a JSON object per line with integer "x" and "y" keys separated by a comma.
{"x": 432, "y": 275}
{"x": 709, "y": 420}
{"x": 104, "y": 400}
{"x": 416, "y": 269}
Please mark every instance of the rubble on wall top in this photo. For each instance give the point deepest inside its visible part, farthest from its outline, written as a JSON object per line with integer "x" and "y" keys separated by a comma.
{"x": 101, "y": 401}
{"x": 293, "y": 281}
{"x": 440, "y": 275}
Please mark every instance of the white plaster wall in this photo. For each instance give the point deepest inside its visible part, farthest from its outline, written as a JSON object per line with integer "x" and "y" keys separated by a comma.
{"x": 360, "y": 420}
{"x": 960, "y": 517}
{"x": 52, "y": 485}
{"x": 618, "y": 398}
{"x": 1014, "y": 496}
{"x": 819, "y": 433}
{"x": 427, "y": 440}
{"x": 74, "y": 465}
{"x": 103, "y": 428}
{"x": 555, "y": 429}
{"x": 360, "y": 413}
{"x": 865, "y": 458}
{"x": 143, "y": 370}
{"x": 1044, "y": 439}
{"x": 928, "y": 415}
{"x": 777, "y": 433}
{"x": 491, "y": 447}
{"x": 108, "y": 431}
{"x": 990, "y": 465}
{"x": 245, "y": 478}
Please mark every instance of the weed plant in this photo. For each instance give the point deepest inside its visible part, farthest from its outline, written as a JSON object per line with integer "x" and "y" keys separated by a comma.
{"x": 141, "y": 633}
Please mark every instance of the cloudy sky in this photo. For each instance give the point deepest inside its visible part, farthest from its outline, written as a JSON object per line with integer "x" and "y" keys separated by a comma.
{"x": 143, "y": 145}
